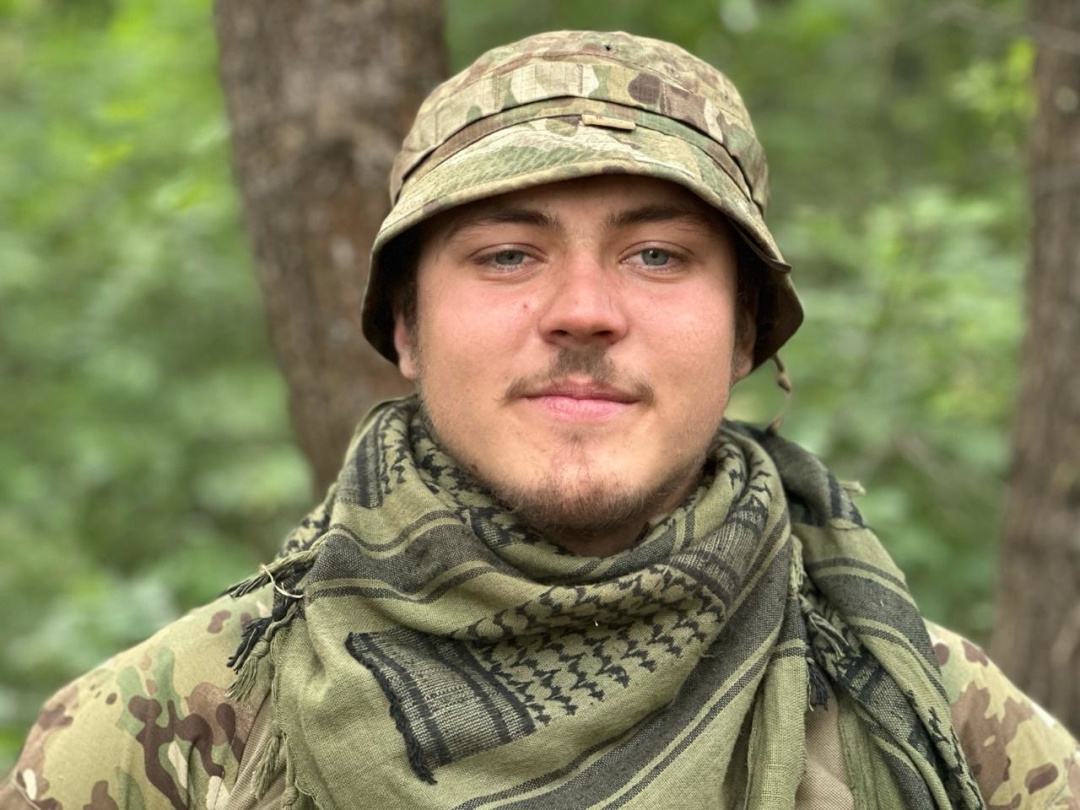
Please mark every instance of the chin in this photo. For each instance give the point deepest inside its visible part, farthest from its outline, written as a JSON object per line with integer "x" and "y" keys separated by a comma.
{"x": 586, "y": 503}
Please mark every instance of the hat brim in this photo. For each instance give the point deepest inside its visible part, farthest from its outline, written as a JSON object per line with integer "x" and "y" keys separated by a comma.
{"x": 551, "y": 150}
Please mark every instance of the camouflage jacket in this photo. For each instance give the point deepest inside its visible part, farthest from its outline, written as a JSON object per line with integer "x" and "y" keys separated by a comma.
{"x": 153, "y": 728}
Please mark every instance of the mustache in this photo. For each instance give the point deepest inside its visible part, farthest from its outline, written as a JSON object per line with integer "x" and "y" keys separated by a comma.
{"x": 588, "y": 361}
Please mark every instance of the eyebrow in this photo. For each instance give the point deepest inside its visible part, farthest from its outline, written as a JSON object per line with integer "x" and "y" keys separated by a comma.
{"x": 620, "y": 219}
{"x": 502, "y": 216}
{"x": 659, "y": 213}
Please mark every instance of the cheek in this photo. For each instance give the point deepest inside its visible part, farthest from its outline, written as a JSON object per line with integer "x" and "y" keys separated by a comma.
{"x": 469, "y": 341}
{"x": 695, "y": 357}
{"x": 481, "y": 323}
{"x": 694, "y": 335}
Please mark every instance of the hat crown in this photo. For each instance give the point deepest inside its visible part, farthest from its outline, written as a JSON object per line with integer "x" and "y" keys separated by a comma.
{"x": 617, "y": 68}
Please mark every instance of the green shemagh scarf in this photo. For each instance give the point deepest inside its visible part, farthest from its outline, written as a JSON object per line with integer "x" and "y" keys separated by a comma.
{"x": 426, "y": 650}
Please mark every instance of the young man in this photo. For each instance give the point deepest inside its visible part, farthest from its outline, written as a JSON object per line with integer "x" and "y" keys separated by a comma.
{"x": 556, "y": 578}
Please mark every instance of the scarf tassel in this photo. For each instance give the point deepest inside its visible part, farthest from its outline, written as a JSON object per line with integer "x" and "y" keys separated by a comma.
{"x": 286, "y": 568}
{"x": 254, "y": 646}
{"x": 273, "y": 759}
{"x": 293, "y": 798}
{"x": 817, "y": 685}
{"x": 820, "y": 627}
{"x": 270, "y": 762}
{"x": 247, "y": 673}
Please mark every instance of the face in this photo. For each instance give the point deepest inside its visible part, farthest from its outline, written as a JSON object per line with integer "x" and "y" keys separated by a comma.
{"x": 574, "y": 345}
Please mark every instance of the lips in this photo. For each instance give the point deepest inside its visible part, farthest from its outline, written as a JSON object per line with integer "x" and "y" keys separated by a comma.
{"x": 581, "y": 399}
{"x": 583, "y": 390}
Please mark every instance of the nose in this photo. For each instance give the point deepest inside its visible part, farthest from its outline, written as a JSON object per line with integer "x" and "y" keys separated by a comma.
{"x": 584, "y": 304}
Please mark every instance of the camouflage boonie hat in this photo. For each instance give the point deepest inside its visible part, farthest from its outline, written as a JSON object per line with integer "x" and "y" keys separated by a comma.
{"x": 570, "y": 104}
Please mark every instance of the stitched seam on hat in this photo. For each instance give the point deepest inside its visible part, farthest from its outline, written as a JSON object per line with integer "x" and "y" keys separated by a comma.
{"x": 506, "y": 76}
{"x": 647, "y": 119}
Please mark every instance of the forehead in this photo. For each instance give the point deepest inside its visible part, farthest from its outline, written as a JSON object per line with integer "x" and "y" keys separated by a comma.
{"x": 602, "y": 197}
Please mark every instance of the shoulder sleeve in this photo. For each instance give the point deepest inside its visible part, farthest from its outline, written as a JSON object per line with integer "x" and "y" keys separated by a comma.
{"x": 1020, "y": 755}
{"x": 150, "y": 728}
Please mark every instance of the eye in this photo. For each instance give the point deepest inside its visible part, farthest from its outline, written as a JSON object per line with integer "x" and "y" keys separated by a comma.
{"x": 655, "y": 257}
{"x": 508, "y": 257}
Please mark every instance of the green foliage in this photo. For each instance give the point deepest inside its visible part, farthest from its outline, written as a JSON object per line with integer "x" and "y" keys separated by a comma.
{"x": 145, "y": 460}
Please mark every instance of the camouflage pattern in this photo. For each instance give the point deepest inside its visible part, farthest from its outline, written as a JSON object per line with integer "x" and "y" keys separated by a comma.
{"x": 572, "y": 104}
{"x": 152, "y": 728}
{"x": 1020, "y": 755}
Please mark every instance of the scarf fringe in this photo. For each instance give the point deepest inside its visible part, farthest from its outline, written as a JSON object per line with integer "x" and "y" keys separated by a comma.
{"x": 255, "y": 646}
{"x": 294, "y": 798}
{"x": 247, "y": 675}
{"x": 283, "y": 573}
{"x": 817, "y": 684}
{"x": 282, "y": 569}
{"x": 270, "y": 762}
{"x": 824, "y": 629}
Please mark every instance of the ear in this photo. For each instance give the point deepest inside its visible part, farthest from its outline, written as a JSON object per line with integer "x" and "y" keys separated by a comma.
{"x": 742, "y": 362}
{"x": 406, "y": 351}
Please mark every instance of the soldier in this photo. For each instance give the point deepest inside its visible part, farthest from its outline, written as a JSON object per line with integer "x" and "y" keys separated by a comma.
{"x": 556, "y": 577}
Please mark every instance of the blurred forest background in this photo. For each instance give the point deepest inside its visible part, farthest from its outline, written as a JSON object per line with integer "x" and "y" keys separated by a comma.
{"x": 146, "y": 459}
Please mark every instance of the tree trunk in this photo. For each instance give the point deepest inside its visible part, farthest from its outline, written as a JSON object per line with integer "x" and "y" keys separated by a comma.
{"x": 319, "y": 95}
{"x": 1037, "y": 633}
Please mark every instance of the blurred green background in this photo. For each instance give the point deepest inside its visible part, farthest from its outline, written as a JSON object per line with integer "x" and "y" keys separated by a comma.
{"x": 145, "y": 457}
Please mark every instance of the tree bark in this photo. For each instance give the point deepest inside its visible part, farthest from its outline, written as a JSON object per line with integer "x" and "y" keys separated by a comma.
{"x": 319, "y": 95}
{"x": 1037, "y": 632}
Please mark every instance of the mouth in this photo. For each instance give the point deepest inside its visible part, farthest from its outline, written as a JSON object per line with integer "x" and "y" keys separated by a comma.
{"x": 581, "y": 399}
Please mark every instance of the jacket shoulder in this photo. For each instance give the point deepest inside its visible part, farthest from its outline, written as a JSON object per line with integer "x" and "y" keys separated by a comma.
{"x": 1020, "y": 755}
{"x": 151, "y": 727}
